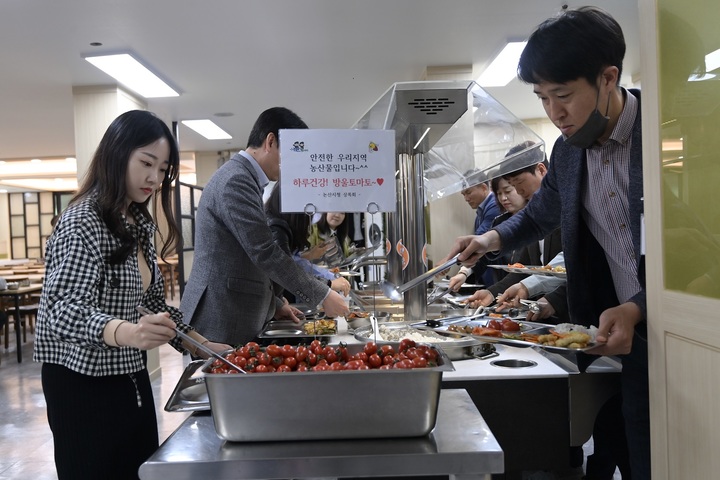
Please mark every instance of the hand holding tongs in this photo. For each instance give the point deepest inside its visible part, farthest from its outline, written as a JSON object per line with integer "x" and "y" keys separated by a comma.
{"x": 195, "y": 343}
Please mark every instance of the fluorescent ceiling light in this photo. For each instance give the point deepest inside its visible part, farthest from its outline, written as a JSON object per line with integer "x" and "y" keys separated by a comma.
{"x": 712, "y": 60}
{"x": 504, "y": 67}
{"x": 207, "y": 129}
{"x": 125, "y": 69}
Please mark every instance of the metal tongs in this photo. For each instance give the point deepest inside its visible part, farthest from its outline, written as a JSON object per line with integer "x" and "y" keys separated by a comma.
{"x": 395, "y": 292}
{"x": 195, "y": 343}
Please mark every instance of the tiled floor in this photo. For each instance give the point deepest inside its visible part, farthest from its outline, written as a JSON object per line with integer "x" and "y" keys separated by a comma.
{"x": 26, "y": 445}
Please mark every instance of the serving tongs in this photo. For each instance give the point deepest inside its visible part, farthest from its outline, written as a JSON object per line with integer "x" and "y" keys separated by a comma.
{"x": 439, "y": 322}
{"x": 195, "y": 343}
{"x": 395, "y": 292}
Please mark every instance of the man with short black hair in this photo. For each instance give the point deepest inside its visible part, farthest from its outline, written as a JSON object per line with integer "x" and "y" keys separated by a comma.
{"x": 594, "y": 191}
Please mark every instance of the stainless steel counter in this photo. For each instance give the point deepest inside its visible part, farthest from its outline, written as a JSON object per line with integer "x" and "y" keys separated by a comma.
{"x": 461, "y": 445}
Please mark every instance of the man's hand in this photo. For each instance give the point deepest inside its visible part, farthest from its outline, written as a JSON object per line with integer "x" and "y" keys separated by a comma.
{"x": 480, "y": 298}
{"x": 546, "y": 311}
{"x": 335, "y": 306}
{"x": 616, "y": 330}
{"x": 288, "y": 312}
{"x": 514, "y": 294}
{"x": 341, "y": 285}
{"x": 472, "y": 247}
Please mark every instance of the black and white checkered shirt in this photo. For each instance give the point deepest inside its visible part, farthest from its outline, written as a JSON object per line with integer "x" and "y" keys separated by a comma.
{"x": 82, "y": 293}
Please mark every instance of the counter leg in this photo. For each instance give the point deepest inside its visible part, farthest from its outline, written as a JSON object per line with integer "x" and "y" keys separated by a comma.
{"x": 17, "y": 329}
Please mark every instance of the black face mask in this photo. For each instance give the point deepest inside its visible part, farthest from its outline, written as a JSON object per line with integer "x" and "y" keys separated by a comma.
{"x": 592, "y": 129}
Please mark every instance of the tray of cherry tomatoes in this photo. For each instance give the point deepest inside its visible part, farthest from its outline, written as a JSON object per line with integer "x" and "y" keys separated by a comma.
{"x": 306, "y": 390}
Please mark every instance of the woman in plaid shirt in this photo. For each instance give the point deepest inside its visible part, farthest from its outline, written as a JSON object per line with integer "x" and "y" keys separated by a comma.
{"x": 101, "y": 264}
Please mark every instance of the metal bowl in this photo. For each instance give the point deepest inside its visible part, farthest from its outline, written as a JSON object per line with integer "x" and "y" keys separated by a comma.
{"x": 13, "y": 285}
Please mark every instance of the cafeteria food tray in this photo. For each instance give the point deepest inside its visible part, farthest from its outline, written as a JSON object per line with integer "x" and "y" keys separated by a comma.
{"x": 347, "y": 404}
{"x": 523, "y": 338}
{"x": 530, "y": 270}
{"x": 275, "y": 329}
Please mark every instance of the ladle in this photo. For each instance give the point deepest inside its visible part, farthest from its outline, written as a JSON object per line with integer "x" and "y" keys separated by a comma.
{"x": 394, "y": 292}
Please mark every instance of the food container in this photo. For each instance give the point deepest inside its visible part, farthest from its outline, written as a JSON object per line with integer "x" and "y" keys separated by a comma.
{"x": 454, "y": 345}
{"x": 348, "y": 404}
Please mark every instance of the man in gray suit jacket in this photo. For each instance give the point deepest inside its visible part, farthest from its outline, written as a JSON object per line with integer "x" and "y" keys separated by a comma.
{"x": 229, "y": 295}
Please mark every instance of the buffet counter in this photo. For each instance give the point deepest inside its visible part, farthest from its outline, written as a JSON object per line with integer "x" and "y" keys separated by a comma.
{"x": 461, "y": 446}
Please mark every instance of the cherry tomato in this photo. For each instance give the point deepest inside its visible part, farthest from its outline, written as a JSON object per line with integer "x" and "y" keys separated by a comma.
{"x": 406, "y": 343}
{"x": 290, "y": 362}
{"x": 283, "y": 369}
{"x": 494, "y": 324}
{"x": 301, "y": 353}
{"x": 375, "y": 361}
{"x": 343, "y": 352}
{"x": 243, "y": 352}
{"x": 510, "y": 326}
{"x": 276, "y": 361}
{"x": 362, "y": 356}
{"x": 288, "y": 351}
{"x": 302, "y": 367}
{"x": 387, "y": 350}
{"x": 312, "y": 359}
{"x": 315, "y": 344}
{"x": 260, "y": 368}
{"x": 353, "y": 365}
{"x": 329, "y": 354}
{"x": 406, "y": 364}
{"x": 385, "y": 367}
{"x": 370, "y": 348}
{"x": 273, "y": 350}
{"x": 240, "y": 362}
{"x": 253, "y": 347}
{"x": 264, "y": 358}
{"x": 419, "y": 362}
{"x": 388, "y": 360}
{"x": 337, "y": 366}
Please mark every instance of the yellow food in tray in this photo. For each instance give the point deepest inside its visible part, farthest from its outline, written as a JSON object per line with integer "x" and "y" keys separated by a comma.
{"x": 320, "y": 327}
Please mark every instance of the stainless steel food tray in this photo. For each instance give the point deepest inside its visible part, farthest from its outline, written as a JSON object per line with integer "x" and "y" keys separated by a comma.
{"x": 190, "y": 394}
{"x": 348, "y": 404}
{"x": 455, "y": 346}
{"x": 275, "y": 329}
{"x": 508, "y": 338}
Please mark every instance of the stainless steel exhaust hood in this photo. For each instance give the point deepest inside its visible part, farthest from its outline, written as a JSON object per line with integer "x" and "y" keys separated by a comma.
{"x": 448, "y": 135}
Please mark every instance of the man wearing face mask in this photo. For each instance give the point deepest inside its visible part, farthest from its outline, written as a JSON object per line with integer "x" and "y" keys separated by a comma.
{"x": 593, "y": 190}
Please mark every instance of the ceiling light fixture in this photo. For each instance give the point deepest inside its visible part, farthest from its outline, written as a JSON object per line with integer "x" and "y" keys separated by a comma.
{"x": 124, "y": 68}
{"x": 504, "y": 67}
{"x": 208, "y": 129}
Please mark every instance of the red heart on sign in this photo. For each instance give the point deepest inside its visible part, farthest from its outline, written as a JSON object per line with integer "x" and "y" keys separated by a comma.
{"x": 380, "y": 181}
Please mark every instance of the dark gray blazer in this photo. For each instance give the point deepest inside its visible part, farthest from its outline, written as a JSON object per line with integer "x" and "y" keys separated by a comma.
{"x": 590, "y": 288}
{"x": 229, "y": 295}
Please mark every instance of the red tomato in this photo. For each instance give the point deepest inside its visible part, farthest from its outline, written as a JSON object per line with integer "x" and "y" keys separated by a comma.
{"x": 343, "y": 352}
{"x": 301, "y": 353}
{"x": 264, "y": 358}
{"x": 353, "y": 365}
{"x": 362, "y": 356}
{"x": 370, "y": 348}
{"x": 314, "y": 344}
{"x": 240, "y": 362}
{"x": 260, "y": 368}
{"x": 387, "y": 350}
{"x": 290, "y": 362}
{"x": 385, "y": 367}
{"x": 404, "y": 364}
{"x": 420, "y": 362}
{"x": 283, "y": 369}
{"x": 312, "y": 359}
{"x": 494, "y": 324}
{"x": 337, "y": 366}
{"x": 375, "y": 361}
{"x": 406, "y": 343}
{"x": 302, "y": 367}
{"x": 253, "y": 346}
{"x": 510, "y": 326}
{"x": 329, "y": 354}
{"x": 273, "y": 350}
{"x": 276, "y": 361}
{"x": 243, "y": 352}
{"x": 388, "y": 360}
{"x": 288, "y": 351}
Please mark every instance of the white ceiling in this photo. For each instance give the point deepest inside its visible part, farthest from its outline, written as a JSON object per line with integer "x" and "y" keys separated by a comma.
{"x": 328, "y": 60}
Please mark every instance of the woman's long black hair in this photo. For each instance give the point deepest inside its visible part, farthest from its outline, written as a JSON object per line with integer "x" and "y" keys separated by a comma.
{"x": 299, "y": 223}
{"x": 105, "y": 178}
{"x": 343, "y": 230}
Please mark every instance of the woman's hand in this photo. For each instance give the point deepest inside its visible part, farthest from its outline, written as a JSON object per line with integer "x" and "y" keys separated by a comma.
{"x": 215, "y": 347}
{"x": 457, "y": 281}
{"x": 151, "y": 331}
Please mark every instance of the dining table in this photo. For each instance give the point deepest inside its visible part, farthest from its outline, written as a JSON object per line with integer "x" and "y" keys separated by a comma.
{"x": 16, "y": 295}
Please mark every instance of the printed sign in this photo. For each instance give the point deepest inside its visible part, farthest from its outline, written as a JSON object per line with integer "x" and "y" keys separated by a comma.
{"x": 337, "y": 170}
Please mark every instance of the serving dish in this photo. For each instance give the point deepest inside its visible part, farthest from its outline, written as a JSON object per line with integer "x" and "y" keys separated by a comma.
{"x": 276, "y": 329}
{"x": 526, "y": 337}
{"x": 455, "y": 346}
{"x": 530, "y": 270}
{"x": 347, "y": 404}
